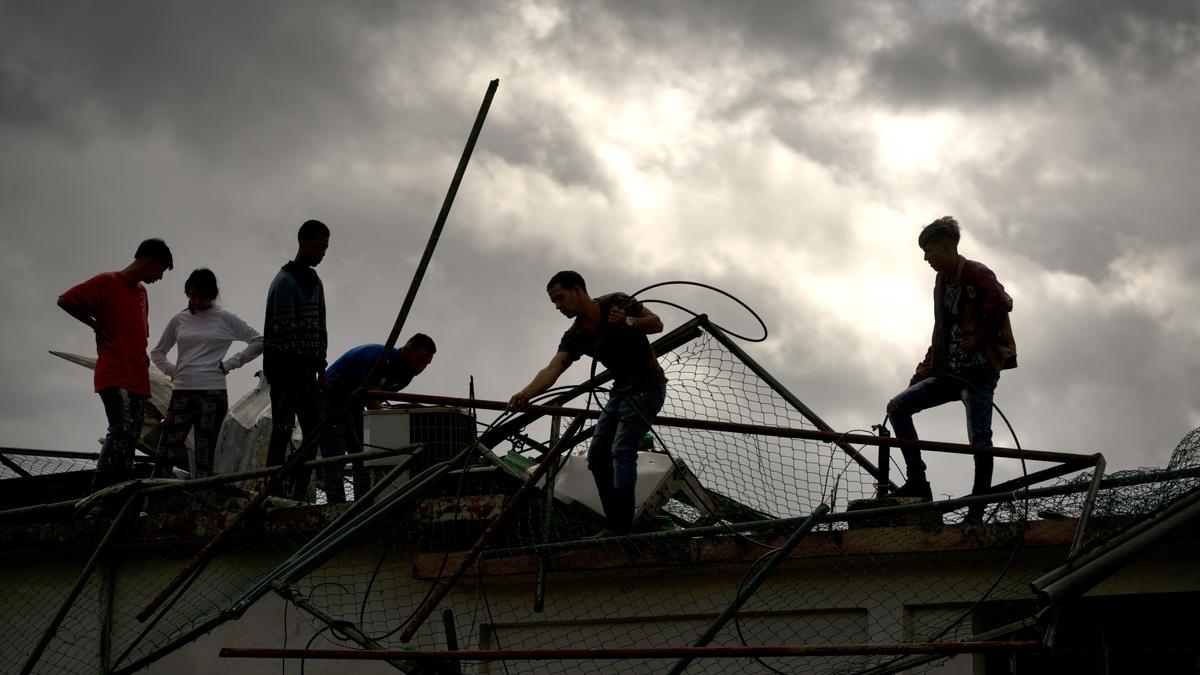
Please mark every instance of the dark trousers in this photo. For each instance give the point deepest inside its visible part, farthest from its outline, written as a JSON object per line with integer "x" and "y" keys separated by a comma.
{"x": 344, "y": 438}
{"x": 125, "y": 412}
{"x": 294, "y": 397}
{"x": 975, "y": 388}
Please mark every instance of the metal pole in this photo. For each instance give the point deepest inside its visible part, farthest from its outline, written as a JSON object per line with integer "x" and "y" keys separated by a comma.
{"x": 80, "y": 582}
{"x": 767, "y": 430}
{"x": 946, "y": 648}
{"x": 791, "y": 398}
{"x": 752, "y": 587}
{"x": 436, "y": 234}
{"x": 441, "y": 589}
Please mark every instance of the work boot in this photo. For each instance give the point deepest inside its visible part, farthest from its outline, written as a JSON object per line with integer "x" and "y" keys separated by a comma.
{"x": 620, "y": 510}
{"x": 914, "y": 488}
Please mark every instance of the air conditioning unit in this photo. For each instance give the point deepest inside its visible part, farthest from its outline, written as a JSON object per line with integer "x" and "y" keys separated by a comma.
{"x": 444, "y": 431}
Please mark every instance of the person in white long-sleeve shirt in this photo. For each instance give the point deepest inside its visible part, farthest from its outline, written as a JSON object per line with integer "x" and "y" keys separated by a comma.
{"x": 202, "y": 334}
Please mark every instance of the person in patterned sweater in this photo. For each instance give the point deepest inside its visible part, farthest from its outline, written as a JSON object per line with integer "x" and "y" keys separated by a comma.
{"x": 294, "y": 343}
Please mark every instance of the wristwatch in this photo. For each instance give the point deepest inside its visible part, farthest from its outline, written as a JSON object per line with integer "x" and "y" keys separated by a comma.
{"x": 628, "y": 320}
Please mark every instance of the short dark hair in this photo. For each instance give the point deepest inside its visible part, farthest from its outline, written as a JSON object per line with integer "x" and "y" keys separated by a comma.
{"x": 422, "y": 341}
{"x": 942, "y": 229}
{"x": 157, "y": 249}
{"x": 568, "y": 279}
{"x": 312, "y": 229}
{"x": 202, "y": 280}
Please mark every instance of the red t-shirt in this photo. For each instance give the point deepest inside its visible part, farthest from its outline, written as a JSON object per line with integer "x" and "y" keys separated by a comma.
{"x": 123, "y": 310}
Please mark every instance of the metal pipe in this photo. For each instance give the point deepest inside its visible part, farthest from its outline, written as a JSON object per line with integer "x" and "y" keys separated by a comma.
{"x": 639, "y": 652}
{"x": 763, "y": 430}
{"x": 794, "y": 400}
{"x": 1077, "y": 576}
{"x": 436, "y": 234}
{"x": 359, "y": 505}
{"x": 441, "y": 589}
{"x": 1089, "y": 504}
{"x": 745, "y": 593}
{"x": 80, "y": 582}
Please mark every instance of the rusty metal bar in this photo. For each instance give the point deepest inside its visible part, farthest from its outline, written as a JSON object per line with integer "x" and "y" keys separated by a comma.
{"x": 1039, "y": 476}
{"x": 442, "y": 588}
{"x": 763, "y": 430}
{"x": 638, "y": 652}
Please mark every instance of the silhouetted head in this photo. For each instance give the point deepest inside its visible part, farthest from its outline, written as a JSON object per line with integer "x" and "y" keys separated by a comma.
{"x": 314, "y": 241}
{"x": 154, "y": 258}
{"x": 939, "y": 241}
{"x": 568, "y": 292}
{"x": 201, "y": 289}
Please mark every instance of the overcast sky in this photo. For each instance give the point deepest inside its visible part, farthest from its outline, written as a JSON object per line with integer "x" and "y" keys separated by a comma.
{"x": 787, "y": 152}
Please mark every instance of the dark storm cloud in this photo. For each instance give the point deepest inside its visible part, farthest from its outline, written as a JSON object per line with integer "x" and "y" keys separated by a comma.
{"x": 954, "y": 63}
{"x": 219, "y": 77}
{"x": 1155, "y": 37}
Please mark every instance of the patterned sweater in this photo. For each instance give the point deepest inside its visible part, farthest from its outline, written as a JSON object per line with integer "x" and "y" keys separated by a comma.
{"x": 294, "y": 336}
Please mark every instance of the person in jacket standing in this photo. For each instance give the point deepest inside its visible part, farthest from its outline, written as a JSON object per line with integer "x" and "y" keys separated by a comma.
{"x": 294, "y": 344}
{"x": 115, "y": 306}
{"x": 972, "y": 342}
{"x": 202, "y": 333}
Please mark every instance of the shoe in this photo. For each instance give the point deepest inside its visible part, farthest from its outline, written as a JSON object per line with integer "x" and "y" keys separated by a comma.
{"x": 914, "y": 488}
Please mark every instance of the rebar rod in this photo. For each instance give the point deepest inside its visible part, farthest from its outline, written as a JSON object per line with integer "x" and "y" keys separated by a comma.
{"x": 751, "y": 587}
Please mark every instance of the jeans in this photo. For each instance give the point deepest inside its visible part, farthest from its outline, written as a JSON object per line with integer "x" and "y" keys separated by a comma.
{"x": 125, "y": 411}
{"x": 975, "y": 389}
{"x": 618, "y": 433}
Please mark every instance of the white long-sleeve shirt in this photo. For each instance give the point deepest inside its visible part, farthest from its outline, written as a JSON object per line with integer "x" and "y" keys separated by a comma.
{"x": 202, "y": 339}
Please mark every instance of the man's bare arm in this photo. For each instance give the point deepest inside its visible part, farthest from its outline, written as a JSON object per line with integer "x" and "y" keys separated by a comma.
{"x": 545, "y": 378}
{"x": 645, "y": 321}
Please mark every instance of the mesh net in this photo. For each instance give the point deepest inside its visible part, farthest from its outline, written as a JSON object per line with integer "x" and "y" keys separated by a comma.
{"x": 906, "y": 578}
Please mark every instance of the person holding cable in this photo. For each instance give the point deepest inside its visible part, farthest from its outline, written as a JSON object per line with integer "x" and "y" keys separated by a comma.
{"x": 612, "y": 329}
{"x": 972, "y": 342}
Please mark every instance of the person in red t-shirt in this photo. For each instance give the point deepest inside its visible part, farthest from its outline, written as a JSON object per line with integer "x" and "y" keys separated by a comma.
{"x": 114, "y": 305}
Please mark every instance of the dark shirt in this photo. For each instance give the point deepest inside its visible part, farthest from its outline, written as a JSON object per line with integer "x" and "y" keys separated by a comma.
{"x": 624, "y": 350}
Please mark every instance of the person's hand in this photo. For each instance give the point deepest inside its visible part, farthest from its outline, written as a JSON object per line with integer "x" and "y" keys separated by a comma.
{"x": 968, "y": 342}
{"x": 519, "y": 400}
{"x": 616, "y": 316}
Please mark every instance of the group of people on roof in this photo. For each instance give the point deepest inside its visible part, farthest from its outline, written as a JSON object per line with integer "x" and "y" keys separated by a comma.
{"x": 971, "y": 343}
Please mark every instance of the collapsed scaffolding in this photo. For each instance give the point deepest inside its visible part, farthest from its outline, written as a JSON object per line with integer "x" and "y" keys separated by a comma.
{"x": 753, "y": 546}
